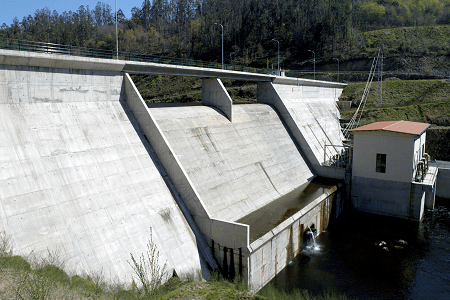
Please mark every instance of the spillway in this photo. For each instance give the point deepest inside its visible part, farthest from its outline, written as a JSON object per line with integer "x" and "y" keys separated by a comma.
{"x": 236, "y": 166}
{"x": 87, "y": 168}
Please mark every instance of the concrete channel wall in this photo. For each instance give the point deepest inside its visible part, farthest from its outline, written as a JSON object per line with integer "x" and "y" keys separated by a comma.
{"x": 76, "y": 176}
{"x": 215, "y": 94}
{"x": 238, "y": 167}
{"x": 272, "y": 252}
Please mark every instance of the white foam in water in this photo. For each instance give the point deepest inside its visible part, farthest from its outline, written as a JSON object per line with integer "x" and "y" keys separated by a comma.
{"x": 314, "y": 247}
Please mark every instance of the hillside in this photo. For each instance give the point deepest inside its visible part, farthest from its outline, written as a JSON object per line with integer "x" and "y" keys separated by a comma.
{"x": 178, "y": 89}
{"x": 408, "y": 53}
{"x": 412, "y": 100}
{"x": 425, "y": 101}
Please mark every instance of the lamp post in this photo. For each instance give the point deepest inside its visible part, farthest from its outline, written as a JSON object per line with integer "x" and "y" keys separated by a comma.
{"x": 338, "y": 69}
{"x": 222, "y": 40}
{"x": 117, "y": 37}
{"x": 314, "y": 63}
{"x": 274, "y": 40}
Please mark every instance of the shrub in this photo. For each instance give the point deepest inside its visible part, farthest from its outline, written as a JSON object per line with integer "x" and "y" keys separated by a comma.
{"x": 54, "y": 273}
{"x": 16, "y": 263}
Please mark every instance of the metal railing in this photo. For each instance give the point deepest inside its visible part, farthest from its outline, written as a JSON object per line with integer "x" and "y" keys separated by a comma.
{"x": 30, "y": 46}
{"x": 337, "y": 158}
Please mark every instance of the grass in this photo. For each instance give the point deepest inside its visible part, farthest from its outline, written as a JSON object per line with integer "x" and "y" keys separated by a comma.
{"x": 179, "y": 89}
{"x": 45, "y": 278}
{"x": 411, "y": 100}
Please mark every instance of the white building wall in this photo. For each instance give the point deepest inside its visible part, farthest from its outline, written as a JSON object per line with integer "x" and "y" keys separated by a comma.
{"x": 399, "y": 152}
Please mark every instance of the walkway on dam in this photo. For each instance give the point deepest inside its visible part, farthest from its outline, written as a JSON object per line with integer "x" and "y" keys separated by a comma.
{"x": 29, "y": 53}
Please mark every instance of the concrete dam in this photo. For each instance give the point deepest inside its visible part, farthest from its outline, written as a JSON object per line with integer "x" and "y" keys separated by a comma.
{"x": 88, "y": 169}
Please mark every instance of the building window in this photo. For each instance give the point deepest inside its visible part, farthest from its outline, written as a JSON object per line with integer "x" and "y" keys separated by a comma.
{"x": 381, "y": 163}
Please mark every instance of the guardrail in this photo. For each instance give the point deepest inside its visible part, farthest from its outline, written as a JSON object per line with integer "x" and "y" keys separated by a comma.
{"x": 30, "y": 46}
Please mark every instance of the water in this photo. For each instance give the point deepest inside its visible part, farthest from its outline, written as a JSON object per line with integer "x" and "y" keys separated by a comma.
{"x": 314, "y": 246}
{"x": 350, "y": 261}
{"x": 268, "y": 217}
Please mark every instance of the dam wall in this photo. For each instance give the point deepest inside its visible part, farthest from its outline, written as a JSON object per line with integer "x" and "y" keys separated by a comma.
{"x": 309, "y": 110}
{"x": 88, "y": 168}
{"x": 77, "y": 175}
{"x": 237, "y": 168}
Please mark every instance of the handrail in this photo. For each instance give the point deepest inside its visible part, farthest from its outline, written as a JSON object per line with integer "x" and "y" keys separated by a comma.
{"x": 31, "y": 46}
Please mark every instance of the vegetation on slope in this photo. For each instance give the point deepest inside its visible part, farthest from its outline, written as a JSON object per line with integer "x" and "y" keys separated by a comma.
{"x": 179, "y": 89}
{"x": 425, "y": 101}
{"x": 410, "y": 100}
{"x": 420, "y": 40}
{"x": 44, "y": 278}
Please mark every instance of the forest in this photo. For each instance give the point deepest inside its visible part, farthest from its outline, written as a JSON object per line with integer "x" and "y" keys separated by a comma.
{"x": 187, "y": 29}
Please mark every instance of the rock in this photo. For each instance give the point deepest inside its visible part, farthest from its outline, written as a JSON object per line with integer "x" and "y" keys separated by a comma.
{"x": 402, "y": 242}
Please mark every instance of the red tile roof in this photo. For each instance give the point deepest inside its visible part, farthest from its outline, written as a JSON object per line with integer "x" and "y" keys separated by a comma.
{"x": 407, "y": 127}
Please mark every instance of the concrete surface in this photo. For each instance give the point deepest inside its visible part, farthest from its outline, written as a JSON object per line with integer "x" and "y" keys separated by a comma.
{"x": 76, "y": 175}
{"x": 405, "y": 200}
{"x": 176, "y": 172}
{"x": 215, "y": 94}
{"x": 236, "y": 167}
{"x": 47, "y": 60}
{"x": 273, "y": 251}
{"x": 382, "y": 197}
{"x": 61, "y": 61}
{"x": 225, "y": 234}
{"x": 309, "y": 110}
{"x": 443, "y": 179}
{"x": 78, "y": 168}
{"x": 179, "y": 70}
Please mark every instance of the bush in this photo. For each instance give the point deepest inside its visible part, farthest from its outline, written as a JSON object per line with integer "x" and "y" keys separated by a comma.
{"x": 54, "y": 273}
{"x": 86, "y": 286}
{"x": 16, "y": 263}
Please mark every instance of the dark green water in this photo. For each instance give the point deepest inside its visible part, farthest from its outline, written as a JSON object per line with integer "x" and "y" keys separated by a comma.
{"x": 350, "y": 262}
{"x": 268, "y": 217}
